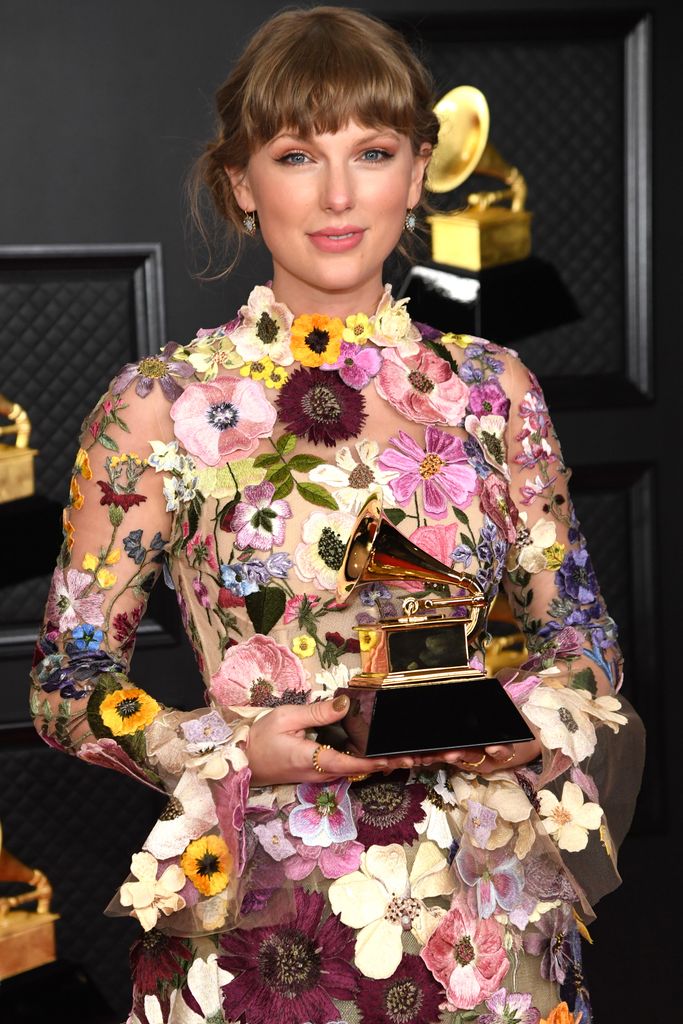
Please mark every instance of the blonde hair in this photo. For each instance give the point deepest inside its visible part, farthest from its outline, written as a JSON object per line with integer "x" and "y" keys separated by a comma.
{"x": 309, "y": 71}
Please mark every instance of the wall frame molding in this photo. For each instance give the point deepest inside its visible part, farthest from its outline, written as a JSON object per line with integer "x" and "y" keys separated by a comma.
{"x": 39, "y": 287}
{"x": 605, "y": 358}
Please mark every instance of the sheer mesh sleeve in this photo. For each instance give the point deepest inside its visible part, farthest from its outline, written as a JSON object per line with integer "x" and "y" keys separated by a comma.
{"x": 550, "y": 583}
{"x": 117, "y": 534}
{"x": 592, "y": 741}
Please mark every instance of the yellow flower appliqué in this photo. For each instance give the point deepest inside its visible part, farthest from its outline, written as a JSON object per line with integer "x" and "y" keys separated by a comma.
{"x": 303, "y": 646}
{"x": 368, "y": 639}
{"x": 75, "y": 495}
{"x": 461, "y": 340}
{"x": 69, "y": 530}
{"x": 82, "y": 464}
{"x": 554, "y": 556}
{"x": 126, "y": 711}
{"x": 358, "y": 329}
{"x": 105, "y": 578}
{"x": 207, "y": 863}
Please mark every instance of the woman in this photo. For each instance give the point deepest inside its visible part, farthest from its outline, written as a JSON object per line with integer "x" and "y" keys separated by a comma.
{"x": 286, "y": 881}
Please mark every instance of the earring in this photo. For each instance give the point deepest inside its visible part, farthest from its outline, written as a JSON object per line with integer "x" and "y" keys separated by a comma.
{"x": 249, "y": 221}
{"x": 410, "y": 221}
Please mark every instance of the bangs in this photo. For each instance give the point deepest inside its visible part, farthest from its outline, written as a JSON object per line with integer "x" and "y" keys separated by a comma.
{"x": 321, "y": 85}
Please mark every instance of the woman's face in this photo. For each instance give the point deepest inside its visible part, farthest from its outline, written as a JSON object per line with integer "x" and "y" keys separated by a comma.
{"x": 331, "y": 208}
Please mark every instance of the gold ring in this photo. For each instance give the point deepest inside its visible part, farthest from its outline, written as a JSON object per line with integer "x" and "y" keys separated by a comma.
{"x": 508, "y": 759}
{"x": 316, "y": 754}
{"x": 356, "y": 778}
{"x": 473, "y": 764}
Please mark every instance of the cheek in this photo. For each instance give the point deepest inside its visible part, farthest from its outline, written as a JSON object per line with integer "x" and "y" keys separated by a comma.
{"x": 391, "y": 195}
{"x": 277, "y": 214}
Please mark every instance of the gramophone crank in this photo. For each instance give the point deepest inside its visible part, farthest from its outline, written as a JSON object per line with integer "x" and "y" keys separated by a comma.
{"x": 416, "y": 691}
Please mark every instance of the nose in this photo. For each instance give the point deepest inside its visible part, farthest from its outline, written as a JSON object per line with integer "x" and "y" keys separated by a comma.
{"x": 337, "y": 187}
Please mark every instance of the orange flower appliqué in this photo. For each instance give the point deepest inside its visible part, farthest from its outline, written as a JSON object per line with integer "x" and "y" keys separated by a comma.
{"x": 316, "y": 339}
{"x": 561, "y": 1015}
{"x": 125, "y": 711}
{"x": 207, "y": 862}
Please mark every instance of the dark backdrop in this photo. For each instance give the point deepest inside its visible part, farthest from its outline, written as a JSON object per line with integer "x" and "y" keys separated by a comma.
{"x": 105, "y": 105}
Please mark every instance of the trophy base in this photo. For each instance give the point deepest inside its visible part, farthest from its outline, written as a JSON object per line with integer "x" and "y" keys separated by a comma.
{"x": 430, "y": 717}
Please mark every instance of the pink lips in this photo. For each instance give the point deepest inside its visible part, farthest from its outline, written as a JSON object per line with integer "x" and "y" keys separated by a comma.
{"x": 337, "y": 239}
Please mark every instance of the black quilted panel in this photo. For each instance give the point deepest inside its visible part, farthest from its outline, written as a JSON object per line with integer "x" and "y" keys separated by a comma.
{"x": 605, "y": 523}
{"x": 556, "y": 113}
{"x": 80, "y": 825}
{"x": 67, "y": 326}
{"x": 64, "y": 337}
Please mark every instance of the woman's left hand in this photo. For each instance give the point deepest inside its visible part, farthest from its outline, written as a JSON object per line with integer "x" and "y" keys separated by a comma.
{"x": 482, "y": 760}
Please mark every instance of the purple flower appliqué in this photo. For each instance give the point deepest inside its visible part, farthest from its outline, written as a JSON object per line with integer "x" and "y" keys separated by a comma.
{"x": 201, "y": 592}
{"x": 323, "y": 815}
{"x": 576, "y": 578}
{"x": 410, "y": 996}
{"x": 497, "y": 876}
{"x": 258, "y": 521}
{"x": 514, "y": 1008}
{"x": 162, "y": 368}
{"x": 292, "y": 971}
{"x": 489, "y": 398}
{"x": 551, "y": 941}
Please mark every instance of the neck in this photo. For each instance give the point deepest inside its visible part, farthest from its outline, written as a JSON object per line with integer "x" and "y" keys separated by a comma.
{"x": 301, "y": 297}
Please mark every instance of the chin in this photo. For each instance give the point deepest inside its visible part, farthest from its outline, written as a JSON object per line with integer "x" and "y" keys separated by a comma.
{"x": 338, "y": 274}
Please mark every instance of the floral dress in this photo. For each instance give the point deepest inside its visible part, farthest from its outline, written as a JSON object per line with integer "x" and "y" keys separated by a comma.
{"x": 236, "y": 466}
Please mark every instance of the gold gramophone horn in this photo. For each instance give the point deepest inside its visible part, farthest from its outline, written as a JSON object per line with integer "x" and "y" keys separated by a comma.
{"x": 464, "y": 120}
{"x": 379, "y": 553}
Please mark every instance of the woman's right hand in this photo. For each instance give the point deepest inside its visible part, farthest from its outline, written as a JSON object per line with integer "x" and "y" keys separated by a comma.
{"x": 279, "y": 751}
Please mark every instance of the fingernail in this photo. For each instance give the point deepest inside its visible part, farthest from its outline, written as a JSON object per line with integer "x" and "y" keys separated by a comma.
{"x": 341, "y": 703}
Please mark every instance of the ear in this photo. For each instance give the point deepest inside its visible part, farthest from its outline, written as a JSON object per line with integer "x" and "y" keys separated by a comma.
{"x": 420, "y": 164}
{"x": 241, "y": 188}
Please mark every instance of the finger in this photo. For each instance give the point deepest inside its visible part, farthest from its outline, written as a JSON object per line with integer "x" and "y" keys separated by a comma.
{"x": 336, "y": 764}
{"x": 311, "y": 716}
{"x": 501, "y": 752}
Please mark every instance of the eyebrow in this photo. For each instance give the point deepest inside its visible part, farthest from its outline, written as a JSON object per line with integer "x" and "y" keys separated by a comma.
{"x": 372, "y": 133}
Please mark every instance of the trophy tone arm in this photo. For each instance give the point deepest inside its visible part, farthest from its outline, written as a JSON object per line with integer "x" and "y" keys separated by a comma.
{"x": 20, "y": 423}
{"x": 13, "y": 870}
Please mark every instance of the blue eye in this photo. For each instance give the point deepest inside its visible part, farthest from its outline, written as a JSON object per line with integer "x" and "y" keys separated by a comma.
{"x": 376, "y": 156}
{"x": 295, "y": 158}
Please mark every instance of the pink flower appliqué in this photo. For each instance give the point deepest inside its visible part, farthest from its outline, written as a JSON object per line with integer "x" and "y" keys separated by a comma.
{"x": 224, "y": 419}
{"x": 258, "y": 521}
{"x": 466, "y": 955}
{"x": 201, "y": 549}
{"x": 357, "y": 364}
{"x": 442, "y": 468}
{"x": 422, "y": 387}
{"x": 69, "y": 603}
{"x": 334, "y": 861}
{"x": 323, "y": 815}
{"x": 260, "y": 673}
{"x": 437, "y": 541}
{"x": 498, "y": 505}
{"x": 293, "y": 606}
